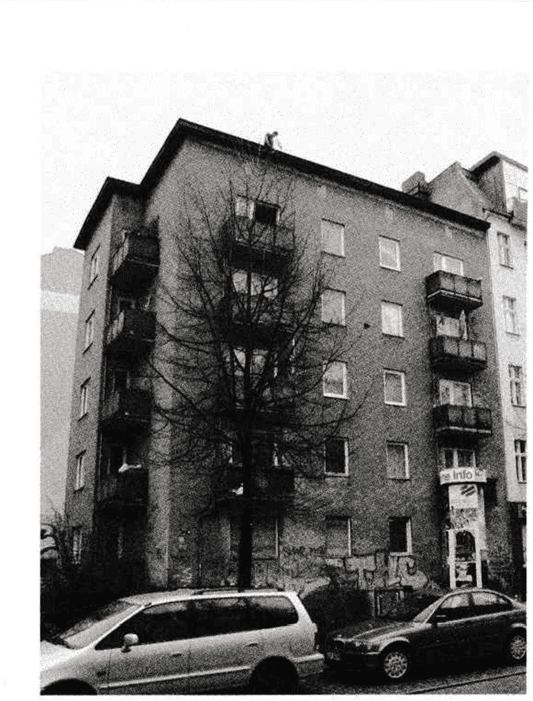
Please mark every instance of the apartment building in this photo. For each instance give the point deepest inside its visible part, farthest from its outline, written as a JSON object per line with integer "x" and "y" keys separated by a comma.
{"x": 411, "y": 491}
{"x": 495, "y": 189}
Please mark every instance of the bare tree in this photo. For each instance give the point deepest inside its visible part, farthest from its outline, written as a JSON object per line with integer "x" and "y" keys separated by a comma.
{"x": 247, "y": 343}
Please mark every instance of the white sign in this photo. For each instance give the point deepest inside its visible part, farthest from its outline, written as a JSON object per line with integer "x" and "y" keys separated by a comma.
{"x": 454, "y": 475}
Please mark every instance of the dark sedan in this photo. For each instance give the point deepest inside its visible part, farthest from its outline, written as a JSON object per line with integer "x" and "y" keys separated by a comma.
{"x": 464, "y": 623}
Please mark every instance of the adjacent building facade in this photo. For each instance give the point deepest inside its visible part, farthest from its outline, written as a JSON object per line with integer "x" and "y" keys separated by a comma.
{"x": 412, "y": 491}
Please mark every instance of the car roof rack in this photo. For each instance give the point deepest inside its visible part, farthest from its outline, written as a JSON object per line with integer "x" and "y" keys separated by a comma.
{"x": 216, "y": 590}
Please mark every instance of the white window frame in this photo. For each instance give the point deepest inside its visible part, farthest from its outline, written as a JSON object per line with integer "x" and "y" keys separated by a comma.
{"x": 326, "y": 368}
{"x": 401, "y": 375}
{"x": 408, "y": 535}
{"x": 407, "y": 474}
{"x": 520, "y": 456}
{"x": 346, "y": 454}
{"x": 509, "y": 314}
{"x": 516, "y": 385}
{"x": 84, "y": 398}
{"x": 244, "y": 207}
{"x": 348, "y": 521}
{"x": 453, "y": 388}
{"x": 454, "y": 451}
{"x": 396, "y": 328}
{"x": 259, "y": 284}
{"x": 504, "y": 250}
{"x": 338, "y": 319}
{"x": 443, "y": 262}
{"x": 77, "y": 544}
{"x": 89, "y": 331}
{"x": 341, "y": 232}
{"x": 95, "y": 266}
{"x": 383, "y": 253}
{"x": 79, "y": 481}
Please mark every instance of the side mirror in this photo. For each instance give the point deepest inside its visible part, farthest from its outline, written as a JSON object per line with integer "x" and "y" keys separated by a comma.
{"x": 130, "y": 640}
{"x": 439, "y": 618}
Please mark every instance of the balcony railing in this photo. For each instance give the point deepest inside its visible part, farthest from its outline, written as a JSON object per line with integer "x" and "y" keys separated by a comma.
{"x": 136, "y": 261}
{"x": 465, "y": 420}
{"x": 450, "y": 290}
{"x": 126, "y": 409}
{"x": 127, "y": 489}
{"x": 131, "y": 331}
{"x": 450, "y": 352}
{"x": 274, "y": 485}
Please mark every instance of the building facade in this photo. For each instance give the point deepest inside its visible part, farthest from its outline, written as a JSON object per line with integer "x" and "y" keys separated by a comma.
{"x": 495, "y": 189}
{"x": 410, "y": 492}
{"x": 60, "y": 289}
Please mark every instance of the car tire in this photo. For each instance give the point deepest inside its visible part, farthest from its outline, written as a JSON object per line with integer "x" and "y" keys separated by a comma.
{"x": 274, "y": 677}
{"x": 516, "y": 647}
{"x": 68, "y": 689}
{"x": 395, "y": 664}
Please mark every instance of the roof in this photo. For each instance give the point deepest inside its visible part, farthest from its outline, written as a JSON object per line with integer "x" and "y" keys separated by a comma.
{"x": 492, "y": 158}
{"x": 162, "y": 597}
{"x": 196, "y": 132}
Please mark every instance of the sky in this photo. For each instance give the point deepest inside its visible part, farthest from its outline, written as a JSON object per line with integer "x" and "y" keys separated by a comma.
{"x": 381, "y": 126}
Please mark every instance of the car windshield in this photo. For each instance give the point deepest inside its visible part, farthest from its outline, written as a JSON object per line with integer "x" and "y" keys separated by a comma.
{"x": 92, "y": 627}
{"x": 409, "y": 609}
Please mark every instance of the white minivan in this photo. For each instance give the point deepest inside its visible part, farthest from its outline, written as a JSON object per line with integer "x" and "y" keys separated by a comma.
{"x": 185, "y": 641}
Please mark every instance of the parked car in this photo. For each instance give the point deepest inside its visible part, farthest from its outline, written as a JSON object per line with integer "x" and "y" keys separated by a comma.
{"x": 185, "y": 641}
{"x": 463, "y": 623}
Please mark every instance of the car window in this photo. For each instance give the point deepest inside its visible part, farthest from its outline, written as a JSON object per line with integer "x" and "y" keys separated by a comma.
{"x": 220, "y": 616}
{"x": 156, "y": 624}
{"x": 456, "y": 607}
{"x": 94, "y": 626}
{"x": 486, "y": 602}
{"x": 272, "y": 612}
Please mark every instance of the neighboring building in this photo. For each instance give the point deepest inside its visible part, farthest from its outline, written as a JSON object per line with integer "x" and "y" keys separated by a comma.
{"x": 61, "y": 273}
{"x": 495, "y": 189}
{"x": 412, "y": 492}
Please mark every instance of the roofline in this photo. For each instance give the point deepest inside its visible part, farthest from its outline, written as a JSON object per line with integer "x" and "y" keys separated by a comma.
{"x": 494, "y": 157}
{"x": 184, "y": 129}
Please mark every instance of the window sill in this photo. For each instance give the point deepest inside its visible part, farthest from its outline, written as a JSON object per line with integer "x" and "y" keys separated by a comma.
{"x": 336, "y": 474}
{"x": 91, "y": 283}
{"x": 335, "y": 396}
{"x": 87, "y": 348}
{"x": 83, "y": 416}
{"x": 335, "y": 255}
{"x": 79, "y": 489}
{"x": 386, "y": 267}
{"x": 395, "y": 404}
{"x": 393, "y": 335}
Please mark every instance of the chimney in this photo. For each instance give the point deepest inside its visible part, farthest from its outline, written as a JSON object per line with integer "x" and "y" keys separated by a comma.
{"x": 416, "y": 185}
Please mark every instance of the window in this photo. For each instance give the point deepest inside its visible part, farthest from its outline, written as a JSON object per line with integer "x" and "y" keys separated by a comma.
{"x": 520, "y": 457}
{"x": 394, "y": 387}
{"x": 509, "y": 313}
{"x": 244, "y": 207}
{"x": 397, "y": 461}
{"x": 259, "y": 284}
{"x": 389, "y": 253}
{"x": 454, "y": 326}
{"x": 455, "y": 393}
{"x": 261, "y": 212}
{"x": 77, "y": 538}
{"x": 156, "y": 624}
{"x": 391, "y": 319}
{"x": 332, "y": 237}
{"x": 84, "y": 398}
{"x": 336, "y": 456}
{"x": 220, "y": 616}
{"x": 486, "y": 602}
{"x": 338, "y": 536}
{"x": 333, "y": 307}
{"x": 271, "y": 612}
{"x": 400, "y": 535}
{"x": 334, "y": 380}
{"x": 448, "y": 264}
{"x": 79, "y": 481}
{"x": 504, "y": 248}
{"x": 516, "y": 385}
{"x": 458, "y": 457}
{"x": 94, "y": 266}
{"x": 89, "y": 331}
{"x": 456, "y": 607}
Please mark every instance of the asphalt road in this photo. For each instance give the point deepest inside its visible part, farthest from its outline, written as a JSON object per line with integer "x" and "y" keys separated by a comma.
{"x": 488, "y": 678}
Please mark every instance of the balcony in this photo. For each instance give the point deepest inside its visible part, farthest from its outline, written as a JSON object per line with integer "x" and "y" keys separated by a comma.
{"x": 131, "y": 331}
{"x": 454, "y": 420}
{"x": 136, "y": 262}
{"x": 447, "y": 290}
{"x": 447, "y": 352}
{"x": 129, "y": 489}
{"x": 126, "y": 409}
{"x": 273, "y": 485}
{"x": 259, "y": 245}
{"x": 263, "y": 312}
{"x": 518, "y": 208}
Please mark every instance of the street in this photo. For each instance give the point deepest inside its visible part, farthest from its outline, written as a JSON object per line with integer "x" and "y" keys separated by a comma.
{"x": 468, "y": 679}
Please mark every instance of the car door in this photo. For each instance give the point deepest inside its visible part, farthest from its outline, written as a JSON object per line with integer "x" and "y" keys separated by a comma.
{"x": 224, "y": 647}
{"x": 492, "y": 614}
{"x": 159, "y": 663}
{"x": 453, "y": 624}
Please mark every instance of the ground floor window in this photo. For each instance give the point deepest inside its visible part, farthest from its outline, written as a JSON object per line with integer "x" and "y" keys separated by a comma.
{"x": 400, "y": 535}
{"x": 338, "y": 536}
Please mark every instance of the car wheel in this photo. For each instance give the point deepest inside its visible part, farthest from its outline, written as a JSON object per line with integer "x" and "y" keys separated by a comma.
{"x": 395, "y": 664}
{"x": 274, "y": 677}
{"x": 516, "y": 647}
{"x": 68, "y": 689}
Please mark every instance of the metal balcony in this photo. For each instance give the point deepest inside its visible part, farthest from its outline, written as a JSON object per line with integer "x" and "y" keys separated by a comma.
{"x": 451, "y": 419}
{"x": 129, "y": 489}
{"x": 447, "y": 290}
{"x": 125, "y": 410}
{"x": 136, "y": 262}
{"x": 273, "y": 485}
{"x": 131, "y": 331}
{"x": 447, "y": 352}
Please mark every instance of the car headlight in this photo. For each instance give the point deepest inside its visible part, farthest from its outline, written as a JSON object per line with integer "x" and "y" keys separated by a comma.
{"x": 359, "y": 646}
